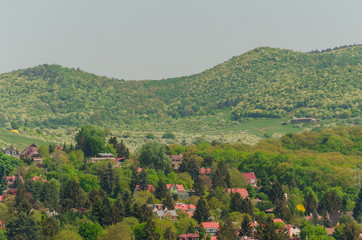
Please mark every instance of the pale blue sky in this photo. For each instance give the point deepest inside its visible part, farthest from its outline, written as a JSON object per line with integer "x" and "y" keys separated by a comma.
{"x": 154, "y": 39}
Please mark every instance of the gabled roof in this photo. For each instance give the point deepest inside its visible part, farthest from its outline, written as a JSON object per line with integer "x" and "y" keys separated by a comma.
{"x": 242, "y": 191}
{"x": 179, "y": 187}
{"x": 209, "y": 225}
{"x": 275, "y": 220}
{"x": 13, "y": 178}
{"x": 176, "y": 157}
{"x": 185, "y": 207}
{"x": 149, "y": 189}
{"x": 250, "y": 175}
{"x": 38, "y": 177}
{"x": 189, "y": 235}
{"x": 204, "y": 171}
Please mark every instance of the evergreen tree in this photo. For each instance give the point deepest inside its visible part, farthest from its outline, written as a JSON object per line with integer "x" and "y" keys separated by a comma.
{"x": 190, "y": 166}
{"x": 236, "y": 202}
{"x": 245, "y": 228}
{"x": 72, "y": 195}
{"x": 311, "y": 204}
{"x": 127, "y": 200}
{"x": 20, "y": 195}
{"x": 357, "y": 210}
{"x": 3, "y": 184}
{"x": 227, "y": 230}
{"x": 119, "y": 211}
{"x": 191, "y": 228}
{"x": 267, "y": 230}
{"x": 276, "y": 191}
{"x": 330, "y": 203}
{"x": 117, "y": 187}
{"x": 49, "y": 228}
{"x": 169, "y": 234}
{"x": 145, "y": 213}
{"x": 351, "y": 231}
{"x": 168, "y": 202}
{"x": 221, "y": 177}
{"x": 17, "y": 181}
{"x": 107, "y": 179}
{"x": 198, "y": 187}
{"x": 50, "y": 194}
{"x": 282, "y": 209}
{"x": 97, "y": 209}
{"x": 142, "y": 180}
{"x": 248, "y": 207}
{"x": 161, "y": 189}
{"x": 201, "y": 231}
{"x": 23, "y": 227}
{"x": 201, "y": 213}
{"x": 151, "y": 231}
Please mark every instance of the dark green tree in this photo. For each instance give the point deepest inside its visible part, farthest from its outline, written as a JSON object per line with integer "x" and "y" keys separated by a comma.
{"x": 73, "y": 195}
{"x": 23, "y": 227}
{"x": 330, "y": 202}
{"x": 221, "y": 177}
{"x": 201, "y": 213}
{"x": 90, "y": 231}
{"x": 91, "y": 140}
{"x": 276, "y": 191}
{"x": 151, "y": 231}
{"x": 17, "y": 181}
{"x": 168, "y": 202}
{"x": 153, "y": 154}
{"x": 227, "y": 231}
{"x": 311, "y": 204}
{"x": 3, "y": 184}
{"x": 282, "y": 209}
{"x": 169, "y": 234}
{"x": 50, "y": 194}
{"x": 145, "y": 213}
{"x": 49, "y": 228}
{"x": 198, "y": 187}
{"x": 357, "y": 210}
{"x": 201, "y": 231}
{"x": 245, "y": 228}
{"x": 120, "y": 147}
{"x": 267, "y": 230}
{"x": 190, "y": 165}
{"x": 107, "y": 179}
{"x": 161, "y": 189}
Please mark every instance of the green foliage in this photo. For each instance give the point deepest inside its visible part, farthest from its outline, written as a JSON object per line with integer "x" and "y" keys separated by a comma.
{"x": 153, "y": 154}
{"x": 23, "y": 227}
{"x": 248, "y": 86}
{"x": 201, "y": 213}
{"x": 8, "y": 163}
{"x": 91, "y": 140}
{"x": 169, "y": 135}
{"x": 90, "y": 231}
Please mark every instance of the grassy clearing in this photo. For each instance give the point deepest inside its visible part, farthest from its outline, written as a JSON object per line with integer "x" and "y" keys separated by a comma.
{"x": 18, "y": 140}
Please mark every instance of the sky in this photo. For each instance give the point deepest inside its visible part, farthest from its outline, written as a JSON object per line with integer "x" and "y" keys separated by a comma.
{"x": 144, "y": 39}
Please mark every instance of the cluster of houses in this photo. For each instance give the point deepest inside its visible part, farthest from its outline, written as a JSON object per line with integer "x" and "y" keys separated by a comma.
{"x": 30, "y": 152}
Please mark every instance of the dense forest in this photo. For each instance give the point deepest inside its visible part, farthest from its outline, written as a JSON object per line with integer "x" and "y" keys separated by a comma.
{"x": 303, "y": 180}
{"x": 262, "y": 83}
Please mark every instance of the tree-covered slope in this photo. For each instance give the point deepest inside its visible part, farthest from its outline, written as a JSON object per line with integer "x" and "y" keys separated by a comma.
{"x": 264, "y": 82}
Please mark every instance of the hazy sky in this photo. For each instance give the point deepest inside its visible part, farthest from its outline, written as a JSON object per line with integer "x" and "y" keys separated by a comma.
{"x": 154, "y": 39}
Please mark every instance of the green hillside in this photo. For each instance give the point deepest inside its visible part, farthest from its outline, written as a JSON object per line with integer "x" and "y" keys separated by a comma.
{"x": 262, "y": 83}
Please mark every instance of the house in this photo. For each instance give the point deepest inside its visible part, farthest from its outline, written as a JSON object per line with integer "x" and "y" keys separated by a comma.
{"x": 293, "y": 231}
{"x": 32, "y": 153}
{"x": 150, "y": 189}
{"x": 189, "y": 236}
{"x": 251, "y": 179}
{"x": 11, "y": 152}
{"x": 2, "y": 197}
{"x": 2, "y": 225}
{"x": 242, "y": 191}
{"x": 102, "y": 156}
{"x": 176, "y": 161}
{"x": 11, "y": 180}
{"x": 211, "y": 228}
{"x": 187, "y": 208}
{"x": 179, "y": 190}
{"x": 38, "y": 178}
{"x": 166, "y": 214}
{"x": 205, "y": 171}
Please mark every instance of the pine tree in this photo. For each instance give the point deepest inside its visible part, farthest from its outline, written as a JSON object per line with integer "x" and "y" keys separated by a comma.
{"x": 276, "y": 191}
{"x": 169, "y": 234}
{"x": 161, "y": 189}
{"x": 201, "y": 231}
{"x": 247, "y": 206}
{"x": 50, "y": 194}
{"x": 236, "y": 202}
{"x": 17, "y": 181}
{"x": 151, "y": 232}
{"x": 358, "y": 207}
{"x": 282, "y": 210}
{"x": 142, "y": 180}
{"x": 168, "y": 202}
{"x": 227, "y": 231}
{"x": 267, "y": 230}
{"x": 191, "y": 228}
{"x": 245, "y": 228}
{"x": 20, "y": 194}
{"x": 23, "y": 227}
{"x": 198, "y": 187}
{"x": 107, "y": 179}
{"x": 73, "y": 194}
{"x": 3, "y": 184}
{"x": 145, "y": 213}
{"x": 201, "y": 213}
{"x": 221, "y": 177}
{"x": 311, "y": 204}
{"x": 119, "y": 211}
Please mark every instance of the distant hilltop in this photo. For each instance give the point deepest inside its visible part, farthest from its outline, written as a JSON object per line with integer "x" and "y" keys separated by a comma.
{"x": 262, "y": 83}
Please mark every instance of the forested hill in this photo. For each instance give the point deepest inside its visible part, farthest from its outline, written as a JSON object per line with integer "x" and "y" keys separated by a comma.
{"x": 262, "y": 83}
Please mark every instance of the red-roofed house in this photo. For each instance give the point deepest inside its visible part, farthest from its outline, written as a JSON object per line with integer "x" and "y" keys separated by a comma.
{"x": 59, "y": 147}
{"x": 174, "y": 188}
{"x": 38, "y": 177}
{"x": 2, "y": 225}
{"x": 187, "y": 208}
{"x": 251, "y": 179}
{"x": 32, "y": 152}
{"x": 205, "y": 171}
{"x": 11, "y": 180}
{"x": 211, "y": 228}
{"x": 150, "y": 189}
{"x": 139, "y": 169}
{"x": 2, "y": 197}
{"x": 189, "y": 236}
{"x": 275, "y": 220}
{"x": 242, "y": 191}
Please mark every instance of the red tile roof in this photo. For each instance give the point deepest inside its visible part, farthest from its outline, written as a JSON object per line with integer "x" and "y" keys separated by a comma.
{"x": 204, "y": 171}
{"x": 150, "y": 188}
{"x": 2, "y": 197}
{"x": 210, "y": 225}
{"x": 242, "y": 191}
{"x": 185, "y": 207}
{"x": 38, "y": 177}
{"x": 179, "y": 187}
{"x": 188, "y": 235}
{"x": 278, "y": 220}
{"x": 250, "y": 175}
{"x": 12, "y": 178}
